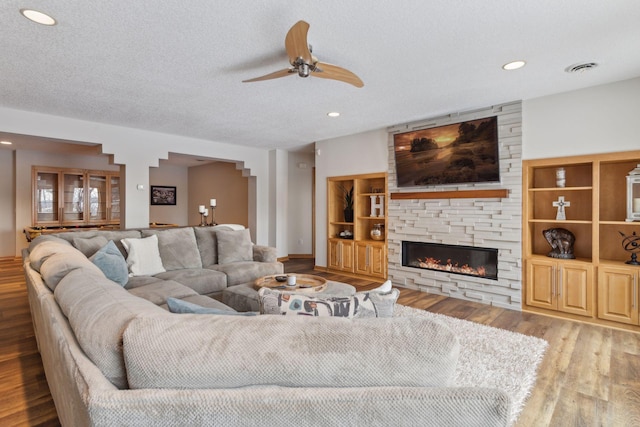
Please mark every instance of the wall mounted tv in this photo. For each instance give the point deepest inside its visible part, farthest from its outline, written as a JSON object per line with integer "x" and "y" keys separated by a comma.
{"x": 458, "y": 153}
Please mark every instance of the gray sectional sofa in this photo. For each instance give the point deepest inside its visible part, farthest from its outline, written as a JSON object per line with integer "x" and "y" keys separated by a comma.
{"x": 114, "y": 355}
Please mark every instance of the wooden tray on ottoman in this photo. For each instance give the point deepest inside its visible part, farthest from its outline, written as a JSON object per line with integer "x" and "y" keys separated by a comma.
{"x": 304, "y": 283}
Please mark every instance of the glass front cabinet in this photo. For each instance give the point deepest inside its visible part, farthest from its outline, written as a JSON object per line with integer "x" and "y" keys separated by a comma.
{"x": 73, "y": 197}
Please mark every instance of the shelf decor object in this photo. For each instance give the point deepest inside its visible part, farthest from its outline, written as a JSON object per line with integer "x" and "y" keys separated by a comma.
{"x": 631, "y": 244}
{"x": 561, "y": 241}
{"x": 377, "y": 206}
{"x": 561, "y": 204}
{"x": 560, "y": 178}
{"x": 633, "y": 195}
{"x": 212, "y": 204}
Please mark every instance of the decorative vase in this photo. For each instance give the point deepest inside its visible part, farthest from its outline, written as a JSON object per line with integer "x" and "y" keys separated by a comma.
{"x": 377, "y": 232}
{"x": 348, "y": 215}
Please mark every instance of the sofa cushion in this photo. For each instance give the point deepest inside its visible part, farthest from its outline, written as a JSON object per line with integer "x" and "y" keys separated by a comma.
{"x": 247, "y": 271}
{"x": 207, "y": 245}
{"x": 58, "y": 265}
{"x": 203, "y": 301}
{"x": 115, "y": 235}
{"x": 185, "y": 307}
{"x": 111, "y": 262}
{"x": 137, "y": 281}
{"x": 98, "y": 311}
{"x": 158, "y": 292}
{"x": 143, "y": 256}
{"x": 178, "y": 247}
{"x": 45, "y": 246}
{"x": 201, "y": 280}
{"x": 237, "y": 351}
{"x": 234, "y": 246}
{"x": 362, "y": 304}
{"x": 90, "y": 245}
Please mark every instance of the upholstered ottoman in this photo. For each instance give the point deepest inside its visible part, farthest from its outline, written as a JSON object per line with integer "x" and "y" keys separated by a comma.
{"x": 244, "y": 297}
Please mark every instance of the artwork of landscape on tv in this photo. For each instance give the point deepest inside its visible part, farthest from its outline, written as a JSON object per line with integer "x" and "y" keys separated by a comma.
{"x": 463, "y": 152}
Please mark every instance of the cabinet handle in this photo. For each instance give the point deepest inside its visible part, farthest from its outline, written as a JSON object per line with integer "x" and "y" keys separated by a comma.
{"x": 560, "y": 283}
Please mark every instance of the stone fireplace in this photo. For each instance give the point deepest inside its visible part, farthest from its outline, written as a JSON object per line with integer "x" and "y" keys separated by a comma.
{"x": 457, "y": 259}
{"x": 486, "y": 223}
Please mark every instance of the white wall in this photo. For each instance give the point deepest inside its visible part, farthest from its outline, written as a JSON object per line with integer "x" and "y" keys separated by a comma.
{"x": 7, "y": 204}
{"x": 299, "y": 228}
{"x": 139, "y": 149}
{"x": 354, "y": 154}
{"x": 599, "y": 119}
{"x": 173, "y": 176}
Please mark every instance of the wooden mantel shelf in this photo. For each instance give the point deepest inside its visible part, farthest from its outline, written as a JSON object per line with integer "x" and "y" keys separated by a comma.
{"x": 500, "y": 193}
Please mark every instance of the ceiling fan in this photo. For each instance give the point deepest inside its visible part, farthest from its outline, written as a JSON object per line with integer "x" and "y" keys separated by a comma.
{"x": 304, "y": 63}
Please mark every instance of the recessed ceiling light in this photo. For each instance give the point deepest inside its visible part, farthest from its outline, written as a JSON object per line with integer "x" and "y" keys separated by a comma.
{"x": 514, "y": 65}
{"x": 6, "y": 142}
{"x": 333, "y": 114}
{"x": 38, "y": 17}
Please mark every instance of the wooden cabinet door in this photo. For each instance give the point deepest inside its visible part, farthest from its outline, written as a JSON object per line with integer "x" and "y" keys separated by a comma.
{"x": 74, "y": 198}
{"x": 98, "y": 195}
{"x": 362, "y": 256}
{"x": 617, "y": 294}
{"x": 334, "y": 254}
{"x": 114, "y": 200}
{"x": 347, "y": 256}
{"x": 378, "y": 261}
{"x": 46, "y": 197}
{"x": 540, "y": 287}
{"x": 575, "y": 289}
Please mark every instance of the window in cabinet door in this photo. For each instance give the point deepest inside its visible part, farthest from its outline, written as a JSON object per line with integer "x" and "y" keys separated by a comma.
{"x": 47, "y": 197}
{"x": 97, "y": 198}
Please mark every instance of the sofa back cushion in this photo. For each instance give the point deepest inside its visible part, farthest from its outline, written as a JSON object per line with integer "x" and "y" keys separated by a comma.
{"x": 192, "y": 351}
{"x": 42, "y": 247}
{"x": 99, "y": 310}
{"x": 115, "y": 235}
{"x": 207, "y": 245}
{"x": 178, "y": 247}
{"x": 234, "y": 246}
{"x": 89, "y": 246}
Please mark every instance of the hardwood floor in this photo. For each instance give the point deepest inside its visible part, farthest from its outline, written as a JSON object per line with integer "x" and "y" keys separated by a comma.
{"x": 590, "y": 375}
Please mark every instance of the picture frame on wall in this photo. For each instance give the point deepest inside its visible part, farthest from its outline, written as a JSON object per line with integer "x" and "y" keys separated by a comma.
{"x": 163, "y": 195}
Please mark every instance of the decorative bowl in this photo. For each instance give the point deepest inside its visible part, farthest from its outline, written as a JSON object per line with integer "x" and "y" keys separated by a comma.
{"x": 281, "y": 278}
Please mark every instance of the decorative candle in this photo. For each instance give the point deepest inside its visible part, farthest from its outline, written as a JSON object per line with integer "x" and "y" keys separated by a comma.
{"x": 201, "y": 208}
{"x": 636, "y": 205}
{"x": 212, "y": 202}
{"x": 206, "y": 212}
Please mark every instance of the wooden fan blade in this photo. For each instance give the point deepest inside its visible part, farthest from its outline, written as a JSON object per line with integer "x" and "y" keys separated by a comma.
{"x": 296, "y": 43}
{"x": 333, "y": 72}
{"x": 274, "y": 75}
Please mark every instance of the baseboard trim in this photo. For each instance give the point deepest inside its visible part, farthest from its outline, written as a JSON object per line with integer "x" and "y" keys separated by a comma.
{"x": 283, "y": 259}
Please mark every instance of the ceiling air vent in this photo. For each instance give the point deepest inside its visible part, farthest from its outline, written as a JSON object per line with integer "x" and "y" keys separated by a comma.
{"x": 580, "y": 68}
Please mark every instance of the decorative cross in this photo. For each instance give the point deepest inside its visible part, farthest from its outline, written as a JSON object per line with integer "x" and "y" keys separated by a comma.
{"x": 560, "y": 204}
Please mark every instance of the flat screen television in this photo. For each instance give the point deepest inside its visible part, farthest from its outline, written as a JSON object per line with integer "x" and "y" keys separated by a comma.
{"x": 464, "y": 152}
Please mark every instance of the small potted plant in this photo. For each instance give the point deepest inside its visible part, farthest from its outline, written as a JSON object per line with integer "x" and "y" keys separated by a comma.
{"x": 348, "y": 204}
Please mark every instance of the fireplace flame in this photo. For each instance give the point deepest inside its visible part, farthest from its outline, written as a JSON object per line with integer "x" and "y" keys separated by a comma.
{"x": 454, "y": 267}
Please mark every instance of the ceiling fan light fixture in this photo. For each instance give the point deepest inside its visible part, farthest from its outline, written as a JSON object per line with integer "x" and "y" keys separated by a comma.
{"x": 333, "y": 114}
{"x": 38, "y": 17}
{"x": 514, "y": 65}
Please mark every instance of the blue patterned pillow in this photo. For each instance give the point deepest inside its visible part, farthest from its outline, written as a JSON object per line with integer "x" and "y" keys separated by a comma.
{"x": 179, "y": 306}
{"x": 112, "y": 263}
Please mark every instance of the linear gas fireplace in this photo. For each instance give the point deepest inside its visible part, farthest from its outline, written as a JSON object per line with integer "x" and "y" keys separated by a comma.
{"x": 467, "y": 260}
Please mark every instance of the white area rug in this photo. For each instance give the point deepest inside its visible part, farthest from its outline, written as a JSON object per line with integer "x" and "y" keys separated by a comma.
{"x": 492, "y": 357}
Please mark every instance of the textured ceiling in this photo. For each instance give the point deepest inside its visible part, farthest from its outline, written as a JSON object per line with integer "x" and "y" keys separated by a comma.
{"x": 177, "y": 66}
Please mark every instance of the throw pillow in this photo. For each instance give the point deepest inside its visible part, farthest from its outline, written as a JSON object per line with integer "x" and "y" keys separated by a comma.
{"x": 384, "y": 288}
{"x": 89, "y": 246}
{"x": 112, "y": 263}
{"x": 179, "y": 306}
{"x": 362, "y": 304}
{"x": 234, "y": 246}
{"x": 178, "y": 247}
{"x": 143, "y": 256}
